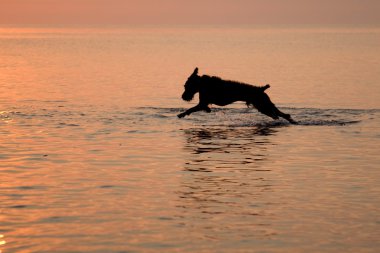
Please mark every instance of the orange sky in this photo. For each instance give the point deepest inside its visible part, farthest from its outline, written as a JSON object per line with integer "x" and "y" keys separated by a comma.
{"x": 189, "y": 11}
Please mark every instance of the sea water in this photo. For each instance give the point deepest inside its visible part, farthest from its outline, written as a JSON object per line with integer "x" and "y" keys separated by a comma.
{"x": 94, "y": 159}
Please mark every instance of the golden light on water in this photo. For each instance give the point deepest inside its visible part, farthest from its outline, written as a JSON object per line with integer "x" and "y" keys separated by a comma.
{"x": 94, "y": 159}
{"x": 2, "y": 242}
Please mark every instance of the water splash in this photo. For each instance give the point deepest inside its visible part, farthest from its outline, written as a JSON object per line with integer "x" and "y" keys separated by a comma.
{"x": 236, "y": 117}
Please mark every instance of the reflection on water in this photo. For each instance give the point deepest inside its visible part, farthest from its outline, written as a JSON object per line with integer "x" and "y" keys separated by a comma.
{"x": 224, "y": 190}
{"x": 2, "y": 242}
{"x": 214, "y": 148}
{"x": 241, "y": 186}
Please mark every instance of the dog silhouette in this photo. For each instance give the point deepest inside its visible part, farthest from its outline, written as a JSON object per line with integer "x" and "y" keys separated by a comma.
{"x": 214, "y": 90}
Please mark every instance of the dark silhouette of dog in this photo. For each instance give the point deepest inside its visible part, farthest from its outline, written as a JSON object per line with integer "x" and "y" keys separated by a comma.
{"x": 214, "y": 90}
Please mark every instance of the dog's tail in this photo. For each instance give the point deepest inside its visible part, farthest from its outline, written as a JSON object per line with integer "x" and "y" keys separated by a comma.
{"x": 263, "y": 88}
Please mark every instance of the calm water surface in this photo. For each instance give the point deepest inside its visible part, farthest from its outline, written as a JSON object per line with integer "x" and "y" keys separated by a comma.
{"x": 94, "y": 159}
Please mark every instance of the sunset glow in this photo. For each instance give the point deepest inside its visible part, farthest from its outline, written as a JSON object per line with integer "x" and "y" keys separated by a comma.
{"x": 189, "y": 12}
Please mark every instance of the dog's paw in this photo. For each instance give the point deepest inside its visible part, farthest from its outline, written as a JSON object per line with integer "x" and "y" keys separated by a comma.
{"x": 181, "y": 115}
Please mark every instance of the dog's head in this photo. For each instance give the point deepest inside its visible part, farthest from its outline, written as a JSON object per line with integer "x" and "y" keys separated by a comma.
{"x": 191, "y": 86}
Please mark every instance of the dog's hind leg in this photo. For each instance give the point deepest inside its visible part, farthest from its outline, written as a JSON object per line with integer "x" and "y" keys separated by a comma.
{"x": 196, "y": 108}
{"x": 285, "y": 116}
{"x": 289, "y": 118}
{"x": 272, "y": 111}
{"x": 269, "y": 113}
{"x": 269, "y": 110}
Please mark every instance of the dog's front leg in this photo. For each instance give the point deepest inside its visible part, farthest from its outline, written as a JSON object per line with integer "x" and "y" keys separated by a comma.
{"x": 196, "y": 108}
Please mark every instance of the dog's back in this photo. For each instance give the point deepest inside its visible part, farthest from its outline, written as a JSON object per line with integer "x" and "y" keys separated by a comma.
{"x": 222, "y": 92}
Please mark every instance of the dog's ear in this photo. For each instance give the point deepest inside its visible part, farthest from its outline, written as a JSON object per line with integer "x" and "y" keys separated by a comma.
{"x": 195, "y": 72}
